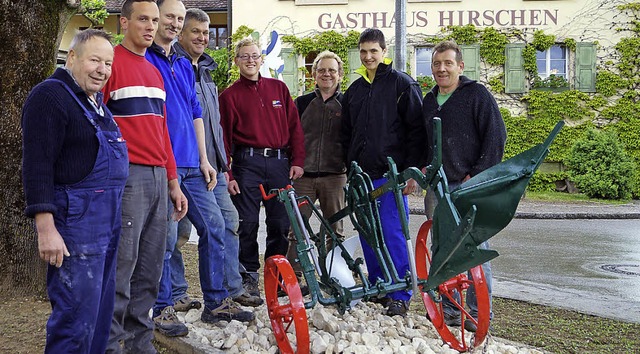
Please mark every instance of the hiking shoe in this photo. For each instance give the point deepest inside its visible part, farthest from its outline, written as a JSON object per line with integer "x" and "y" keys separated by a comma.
{"x": 226, "y": 311}
{"x": 167, "y": 323}
{"x": 248, "y": 300}
{"x": 185, "y": 304}
{"x": 452, "y": 320}
{"x": 250, "y": 285}
{"x": 384, "y": 301}
{"x": 398, "y": 307}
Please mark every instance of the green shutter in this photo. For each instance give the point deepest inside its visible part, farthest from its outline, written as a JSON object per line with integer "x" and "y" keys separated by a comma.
{"x": 514, "y": 73}
{"x": 585, "y": 78}
{"x": 471, "y": 58}
{"x": 354, "y": 63}
{"x": 290, "y": 72}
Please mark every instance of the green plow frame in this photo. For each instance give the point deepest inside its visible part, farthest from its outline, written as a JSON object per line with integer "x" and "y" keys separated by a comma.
{"x": 463, "y": 219}
{"x": 477, "y": 210}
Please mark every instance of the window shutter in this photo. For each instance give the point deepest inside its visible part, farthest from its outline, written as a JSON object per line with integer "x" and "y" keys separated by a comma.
{"x": 471, "y": 58}
{"x": 585, "y": 78}
{"x": 290, "y": 72}
{"x": 514, "y": 73}
{"x": 354, "y": 63}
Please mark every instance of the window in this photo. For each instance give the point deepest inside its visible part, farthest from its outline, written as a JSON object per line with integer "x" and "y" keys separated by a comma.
{"x": 552, "y": 61}
{"x": 217, "y": 37}
{"x": 309, "y": 80}
{"x": 423, "y": 61}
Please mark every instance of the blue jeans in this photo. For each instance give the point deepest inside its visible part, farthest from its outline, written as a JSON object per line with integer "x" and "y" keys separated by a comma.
{"x": 232, "y": 278}
{"x": 206, "y": 216}
{"x": 430, "y": 203}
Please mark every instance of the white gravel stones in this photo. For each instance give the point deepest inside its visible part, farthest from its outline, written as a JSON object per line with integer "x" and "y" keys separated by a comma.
{"x": 362, "y": 330}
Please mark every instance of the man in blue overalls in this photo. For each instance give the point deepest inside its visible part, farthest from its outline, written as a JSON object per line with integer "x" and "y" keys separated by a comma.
{"x": 75, "y": 166}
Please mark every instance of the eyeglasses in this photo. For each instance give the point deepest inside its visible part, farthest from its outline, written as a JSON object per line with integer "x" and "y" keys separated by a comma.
{"x": 245, "y": 57}
{"x": 324, "y": 71}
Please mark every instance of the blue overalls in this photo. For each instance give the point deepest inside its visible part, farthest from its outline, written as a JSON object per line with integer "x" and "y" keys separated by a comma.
{"x": 88, "y": 217}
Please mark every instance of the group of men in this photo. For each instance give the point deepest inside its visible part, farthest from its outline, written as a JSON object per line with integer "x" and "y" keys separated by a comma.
{"x": 124, "y": 142}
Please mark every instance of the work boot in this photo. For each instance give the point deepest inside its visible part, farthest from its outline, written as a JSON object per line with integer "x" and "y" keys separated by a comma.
{"x": 248, "y": 300}
{"x": 452, "y": 320}
{"x": 185, "y": 304}
{"x": 167, "y": 323}
{"x": 250, "y": 284}
{"x": 398, "y": 307}
{"x": 227, "y": 310}
{"x": 470, "y": 326}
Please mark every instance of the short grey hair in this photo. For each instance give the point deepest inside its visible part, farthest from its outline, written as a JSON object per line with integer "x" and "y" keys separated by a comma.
{"x": 82, "y": 37}
{"x": 196, "y": 15}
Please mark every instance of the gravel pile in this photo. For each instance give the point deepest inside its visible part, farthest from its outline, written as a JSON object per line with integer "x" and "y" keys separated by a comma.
{"x": 364, "y": 329}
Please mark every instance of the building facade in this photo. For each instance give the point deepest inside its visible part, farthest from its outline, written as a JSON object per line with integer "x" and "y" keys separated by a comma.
{"x": 582, "y": 31}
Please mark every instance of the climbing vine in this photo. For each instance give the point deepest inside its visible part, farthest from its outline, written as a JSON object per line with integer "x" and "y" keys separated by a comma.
{"x": 328, "y": 40}
{"x": 463, "y": 34}
{"x": 492, "y": 46}
{"x": 540, "y": 42}
{"x": 497, "y": 83}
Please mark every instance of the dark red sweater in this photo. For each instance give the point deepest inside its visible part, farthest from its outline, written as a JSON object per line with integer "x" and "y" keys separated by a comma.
{"x": 261, "y": 114}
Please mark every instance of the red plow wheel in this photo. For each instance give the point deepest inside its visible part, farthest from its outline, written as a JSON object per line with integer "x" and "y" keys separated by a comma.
{"x": 287, "y": 311}
{"x": 459, "y": 339}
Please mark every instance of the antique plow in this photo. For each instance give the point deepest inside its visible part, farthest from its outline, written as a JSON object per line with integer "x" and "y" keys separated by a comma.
{"x": 446, "y": 247}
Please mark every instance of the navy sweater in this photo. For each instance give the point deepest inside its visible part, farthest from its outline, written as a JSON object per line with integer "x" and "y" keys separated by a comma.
{"x": 473, "y": 132}
{"x": 59, "y": 144}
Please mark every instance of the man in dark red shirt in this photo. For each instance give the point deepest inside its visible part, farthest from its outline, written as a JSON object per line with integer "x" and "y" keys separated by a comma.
{"x": 263, "y": 136}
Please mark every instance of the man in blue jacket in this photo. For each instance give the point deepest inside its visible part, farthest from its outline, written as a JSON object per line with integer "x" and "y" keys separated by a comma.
{"x": 382, "y": 117}
{"x": 192, "y": 41}
{"x": 197, "y": 180}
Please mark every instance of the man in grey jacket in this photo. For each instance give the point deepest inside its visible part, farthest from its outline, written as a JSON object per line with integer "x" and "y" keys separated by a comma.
{"x": 192, "y": 41}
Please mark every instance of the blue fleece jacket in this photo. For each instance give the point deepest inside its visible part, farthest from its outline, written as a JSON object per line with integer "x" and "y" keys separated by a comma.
{"x": 182, "y": 104}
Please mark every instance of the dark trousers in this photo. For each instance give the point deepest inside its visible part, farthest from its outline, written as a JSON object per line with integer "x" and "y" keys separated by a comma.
{"x": 250, "y": 171}
{"x": 140, "y": 254}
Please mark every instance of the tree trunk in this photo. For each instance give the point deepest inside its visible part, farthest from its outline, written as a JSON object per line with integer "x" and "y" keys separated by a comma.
{"x": 32, "y": 30}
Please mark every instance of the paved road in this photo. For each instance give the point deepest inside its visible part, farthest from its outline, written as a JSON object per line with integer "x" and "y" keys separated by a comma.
{"x": 592, "y": 266}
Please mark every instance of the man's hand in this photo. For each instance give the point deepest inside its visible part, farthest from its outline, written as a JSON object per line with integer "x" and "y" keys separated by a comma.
{"x": 226, "y": 177}
{"x": 295, "y": 172}
{"x": 410, "y": 188}
{"x": 210, "y": 175}
{"x": 233, "y": 187}
{"x": 51, "y": 246}
{"x": 180, "y": 204}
